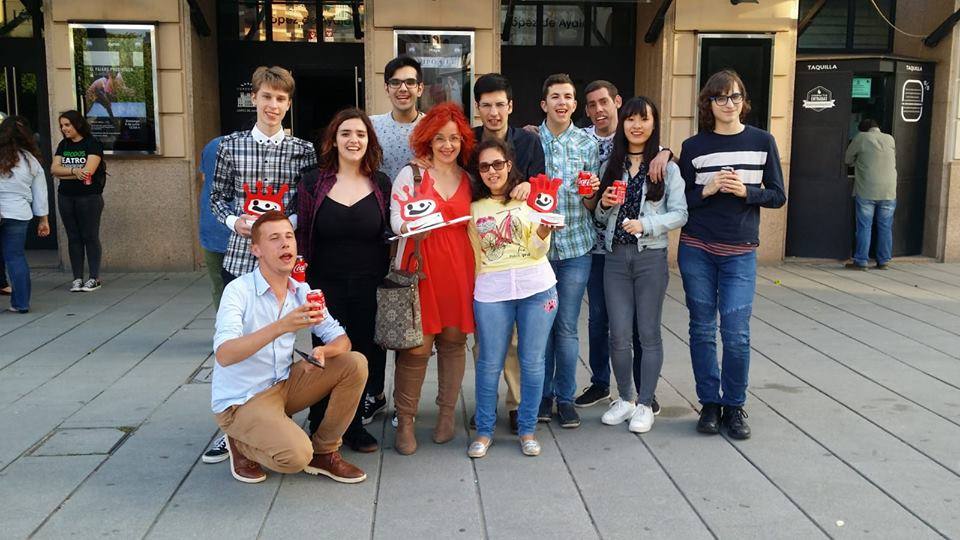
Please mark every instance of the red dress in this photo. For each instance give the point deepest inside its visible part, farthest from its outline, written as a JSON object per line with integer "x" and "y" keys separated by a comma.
{"x": 446, "y": 295}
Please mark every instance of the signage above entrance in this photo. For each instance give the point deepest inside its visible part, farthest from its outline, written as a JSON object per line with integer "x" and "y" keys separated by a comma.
{"x": 819, "y": 99}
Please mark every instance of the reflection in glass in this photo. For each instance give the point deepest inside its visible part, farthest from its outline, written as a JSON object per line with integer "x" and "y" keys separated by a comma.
{"x": 338, "y": 23}
{"x": 602, "y": 33}
{"x": 28, "y": 99}
{"x": 523, "y": 27}
{"x": 16, "y": 15}
{"x": 251, "y": 16}
{"x": 294, "y": 21}
{"x": 563, "y": 25}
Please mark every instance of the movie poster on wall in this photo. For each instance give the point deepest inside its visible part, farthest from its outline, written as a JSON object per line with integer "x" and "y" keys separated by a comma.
{"x": 446, "y": 57}
{"x": 115, "y": 73}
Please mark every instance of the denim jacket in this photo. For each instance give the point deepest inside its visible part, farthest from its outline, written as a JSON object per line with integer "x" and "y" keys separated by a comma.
{"x": 658, "y": 218}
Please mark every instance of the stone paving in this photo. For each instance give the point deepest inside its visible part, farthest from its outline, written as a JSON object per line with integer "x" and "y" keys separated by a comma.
{"x": 854, "y": 402}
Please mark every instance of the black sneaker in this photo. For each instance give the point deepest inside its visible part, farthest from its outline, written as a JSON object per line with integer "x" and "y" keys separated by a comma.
{"x": 592, "y": 395}
{"x": 568, "y": 415}
{"x": 360, "y": 440}
{"x": 372, "y": 406}
{"x": 709, "y": 419}
{"x": 546, "y": 410}
{"x": 514, "y": 423}
{"x": 734, "y": 420}
{"x": 218, "y": 451}
{"x": 655, "y": 406}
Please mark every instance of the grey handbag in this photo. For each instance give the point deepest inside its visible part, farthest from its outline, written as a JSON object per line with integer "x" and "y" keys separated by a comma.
{"x": 398, "y": 323}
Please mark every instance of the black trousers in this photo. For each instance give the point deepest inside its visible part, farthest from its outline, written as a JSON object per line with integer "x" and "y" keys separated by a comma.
{"x": 81, "y": 219}
{"x": 353, "y": 303}
{"x": 227, "y": 277}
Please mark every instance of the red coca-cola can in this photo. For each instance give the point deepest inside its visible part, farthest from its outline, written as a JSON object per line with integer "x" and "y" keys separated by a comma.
{"x": 316, "y": 297}
{"x": 300, "y": 270}
{"x": 87, "y": 178}
{"x": 583, "y": 184}
{"x": 620, "y": 190}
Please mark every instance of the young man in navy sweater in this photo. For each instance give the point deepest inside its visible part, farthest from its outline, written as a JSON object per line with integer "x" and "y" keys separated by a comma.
{"x": 731, "y": 171}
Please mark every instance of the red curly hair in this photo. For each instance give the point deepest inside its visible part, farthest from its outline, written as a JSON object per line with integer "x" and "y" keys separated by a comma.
{"x": 438, "y": 117}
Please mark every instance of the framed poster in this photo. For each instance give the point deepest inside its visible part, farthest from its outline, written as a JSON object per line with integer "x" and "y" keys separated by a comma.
{"x": 115, "y": 78}
{"x": 447, "y": 60}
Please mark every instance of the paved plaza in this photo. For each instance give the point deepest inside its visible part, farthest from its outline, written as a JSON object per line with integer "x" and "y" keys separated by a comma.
{"x": 854, "y": 402}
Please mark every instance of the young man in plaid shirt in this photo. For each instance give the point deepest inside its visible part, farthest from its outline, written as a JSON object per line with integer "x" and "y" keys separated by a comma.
{"x": 263, "y": 153}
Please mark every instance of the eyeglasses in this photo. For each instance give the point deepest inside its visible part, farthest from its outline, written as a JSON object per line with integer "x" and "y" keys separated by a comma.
{"x": 497, "y": 165}
{"x": 395, "y": 83}
{"x": 736, "y": 98}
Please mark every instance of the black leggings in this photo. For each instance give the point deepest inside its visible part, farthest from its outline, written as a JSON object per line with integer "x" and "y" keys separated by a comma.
{"x": 81, "y": 219}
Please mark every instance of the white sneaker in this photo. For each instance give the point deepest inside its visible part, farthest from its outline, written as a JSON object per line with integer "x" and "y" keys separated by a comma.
{"x": 619, "y": 412}
{"x": 76, "y": 286}
{"x": 91, "y": 285}
{"x": 642, "y": 419}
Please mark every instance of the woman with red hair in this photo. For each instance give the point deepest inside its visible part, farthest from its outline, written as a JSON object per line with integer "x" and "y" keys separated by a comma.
{"x": 444, "y": 139}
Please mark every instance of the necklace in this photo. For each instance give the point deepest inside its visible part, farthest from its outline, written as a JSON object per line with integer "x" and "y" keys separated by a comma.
{"x": 634, "y": 153}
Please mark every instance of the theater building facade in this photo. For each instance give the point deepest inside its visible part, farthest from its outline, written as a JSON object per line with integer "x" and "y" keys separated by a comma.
{"x": 185, "y": 67}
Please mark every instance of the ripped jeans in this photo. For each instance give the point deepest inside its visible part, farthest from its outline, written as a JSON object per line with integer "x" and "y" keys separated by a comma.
{"x": 726, "y": 284}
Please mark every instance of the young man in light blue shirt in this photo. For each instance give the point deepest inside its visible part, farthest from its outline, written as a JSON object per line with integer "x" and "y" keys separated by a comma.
{"x": 256, "y": 384}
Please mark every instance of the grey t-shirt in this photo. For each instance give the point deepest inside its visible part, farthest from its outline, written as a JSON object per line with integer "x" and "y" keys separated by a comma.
{"x": 394, "y": 138}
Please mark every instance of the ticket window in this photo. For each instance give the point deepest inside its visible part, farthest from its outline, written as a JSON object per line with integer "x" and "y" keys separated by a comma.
{"x": 871, "y": 97}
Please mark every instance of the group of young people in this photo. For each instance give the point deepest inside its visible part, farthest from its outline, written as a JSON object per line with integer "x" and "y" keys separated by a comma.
{"x": 507, "y": 274}
{"x": 78, "y": 165}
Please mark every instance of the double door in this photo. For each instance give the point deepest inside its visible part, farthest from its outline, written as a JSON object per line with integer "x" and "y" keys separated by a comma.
{"x": 23, "y": 92}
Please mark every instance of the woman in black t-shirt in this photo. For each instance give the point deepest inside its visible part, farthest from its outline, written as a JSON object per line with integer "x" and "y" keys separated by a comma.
{"x": 78, "y": 163}
{"x": 344, "y": 208}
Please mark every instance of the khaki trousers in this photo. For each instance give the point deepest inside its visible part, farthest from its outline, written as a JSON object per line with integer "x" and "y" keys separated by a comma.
{"x": 511, "y": 371}
{"x": 262, "y": 428}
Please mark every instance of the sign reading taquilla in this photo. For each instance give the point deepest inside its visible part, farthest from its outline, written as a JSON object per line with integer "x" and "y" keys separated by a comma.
{"x": 819, "y": 99}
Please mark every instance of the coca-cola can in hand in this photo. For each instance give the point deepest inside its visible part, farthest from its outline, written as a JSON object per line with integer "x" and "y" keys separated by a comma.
{"x": 583, "y": 184}
{"x": 87, "y": 178}
{"x": 620, "y": 191}
{"x": 299, "y": 270}
{"x": 316, "y": 297}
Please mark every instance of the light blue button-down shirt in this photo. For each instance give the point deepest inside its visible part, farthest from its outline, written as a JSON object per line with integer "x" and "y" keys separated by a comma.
{"x": 248, "y": 304}
{"x": 566, "y": 155}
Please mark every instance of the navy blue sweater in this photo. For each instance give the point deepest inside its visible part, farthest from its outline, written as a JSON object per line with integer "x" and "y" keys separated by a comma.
{"x": 723, "y": 217}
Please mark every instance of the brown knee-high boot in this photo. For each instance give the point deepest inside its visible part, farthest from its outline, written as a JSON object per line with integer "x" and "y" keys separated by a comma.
{"x": 408, "y": 381}
{"x": 451, "y": 361}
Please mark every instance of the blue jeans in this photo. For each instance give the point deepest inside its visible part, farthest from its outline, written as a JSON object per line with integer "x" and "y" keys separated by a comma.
{"x": 727, "y": 284}
{"x": 533, "y": 316}
{"x": 598, "y": 326}
{"x": 563, "y": 344}
{"x": 866, "y": 209}
{"x": 13, "y": 236}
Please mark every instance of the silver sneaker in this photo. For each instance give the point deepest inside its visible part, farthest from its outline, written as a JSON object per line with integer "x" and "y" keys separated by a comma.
{"x": 91, "y": 285}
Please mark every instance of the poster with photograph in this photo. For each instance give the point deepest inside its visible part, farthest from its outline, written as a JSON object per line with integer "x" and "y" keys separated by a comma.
{"x": 447, "y": 60}
{"x": 115, "y": 73}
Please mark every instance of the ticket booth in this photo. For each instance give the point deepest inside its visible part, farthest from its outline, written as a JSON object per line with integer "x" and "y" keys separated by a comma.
{"x": 831, "y": 96}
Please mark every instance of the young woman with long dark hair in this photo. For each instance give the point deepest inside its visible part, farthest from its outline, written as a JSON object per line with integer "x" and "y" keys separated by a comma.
{"x": 635, "y": 271}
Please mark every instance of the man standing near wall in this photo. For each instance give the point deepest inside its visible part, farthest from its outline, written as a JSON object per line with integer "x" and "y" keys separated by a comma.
{"x": 873, "y": 154}
{"x": 568, "y": 151}
{"x": 264, "y": 153}
{"x": 403, "y": 82}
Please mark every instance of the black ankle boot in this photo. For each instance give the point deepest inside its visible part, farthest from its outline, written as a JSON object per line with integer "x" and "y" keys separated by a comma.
{"x": 709, "y": 419}
{"x": 734, "y": 419}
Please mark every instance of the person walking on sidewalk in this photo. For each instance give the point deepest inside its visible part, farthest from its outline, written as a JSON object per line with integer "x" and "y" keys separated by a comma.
{"x": 257, "y": 386}
{"x": 78, "y": 163}
{"x": 873, "y": 154}
{"x": 515, "y": 287}
{"x": 23, "y": 195}
{"x": 444, "y": 137}
{"x": 731, "y": 170}
{"x": 635, "y": 272}
{"x": 345, "y": 204}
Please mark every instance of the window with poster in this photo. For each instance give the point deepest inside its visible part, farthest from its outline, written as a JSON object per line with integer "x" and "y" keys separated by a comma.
{"x": 115, "y": 77}
{"x": 447, "y": 60}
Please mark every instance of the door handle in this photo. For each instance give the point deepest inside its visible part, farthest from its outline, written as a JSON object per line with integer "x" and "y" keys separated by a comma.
{"x": 16, "y": 99}
{"x": 6, "y": 81}
{"x": 356, "y": 87}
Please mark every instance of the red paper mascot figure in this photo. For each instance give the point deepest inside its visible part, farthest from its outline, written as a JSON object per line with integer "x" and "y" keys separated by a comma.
{"x": 543, "y": 193}
{"x": 418, "y": 209}
{"x": 263, "y": 199}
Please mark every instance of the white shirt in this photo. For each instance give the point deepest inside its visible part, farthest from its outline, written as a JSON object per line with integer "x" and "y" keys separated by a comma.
{"x": 248, "y": 304}
{"x": 262, "y": 138}
{"x": 23, "y": 191}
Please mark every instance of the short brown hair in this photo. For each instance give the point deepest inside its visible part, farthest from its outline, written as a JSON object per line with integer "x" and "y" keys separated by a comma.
{"x": 266, "y": 217}
{"x": 275, "y": 77}
{"x": 717, "y": 84}
{"x": 557, "y": 78}
{"x": 327, "y": 145}
{"x": 597, "y": 85}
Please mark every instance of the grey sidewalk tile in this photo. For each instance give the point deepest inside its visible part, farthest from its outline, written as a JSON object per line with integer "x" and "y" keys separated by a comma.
{"x": 79, "y": 441}
{"x": 33, "y": 487}
{"x": 124, "y": 496}
{"x": 879, "y": 280}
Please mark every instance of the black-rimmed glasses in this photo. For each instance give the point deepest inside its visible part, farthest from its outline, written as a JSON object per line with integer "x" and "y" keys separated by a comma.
{"x": 736, "y": 98}
{"x": 395, "y": 83}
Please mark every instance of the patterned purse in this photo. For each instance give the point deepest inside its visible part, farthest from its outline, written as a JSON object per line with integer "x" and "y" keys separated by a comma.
{"x": 398, "y": 323}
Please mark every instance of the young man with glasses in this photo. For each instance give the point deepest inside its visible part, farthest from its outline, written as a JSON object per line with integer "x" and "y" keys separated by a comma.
{"x": 731, "y": 170}
{"x": 403, "y": 82}
{"x": 568, "y": 151}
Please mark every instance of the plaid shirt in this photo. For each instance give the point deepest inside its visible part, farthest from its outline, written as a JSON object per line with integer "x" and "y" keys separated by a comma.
{"x": 573, "y": 151}
{"x": 243, "y": 158}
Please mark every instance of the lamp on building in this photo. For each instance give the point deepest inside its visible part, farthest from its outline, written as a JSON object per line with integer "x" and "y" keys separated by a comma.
{"x": 735, "y": 2}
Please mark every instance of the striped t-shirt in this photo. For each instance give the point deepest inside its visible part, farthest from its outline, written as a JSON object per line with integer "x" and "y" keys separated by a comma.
{"x": 724, "y": 219}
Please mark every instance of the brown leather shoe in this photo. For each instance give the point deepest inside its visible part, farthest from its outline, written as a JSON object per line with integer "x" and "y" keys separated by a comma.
{"x": 335, "y": 467}
{"x": 243, "y": 468}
